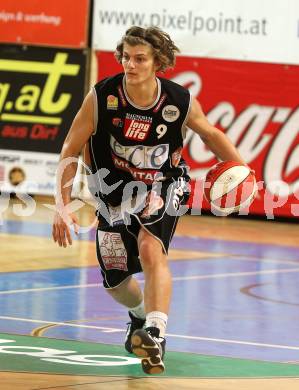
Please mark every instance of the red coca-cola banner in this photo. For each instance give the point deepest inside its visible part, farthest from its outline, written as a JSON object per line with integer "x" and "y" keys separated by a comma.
{"x": 257, "y": 106}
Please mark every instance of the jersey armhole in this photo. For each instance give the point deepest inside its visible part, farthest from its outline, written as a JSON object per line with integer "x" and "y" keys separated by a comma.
{"x": 95, "y": 110}
{"x": 184, "y": 126}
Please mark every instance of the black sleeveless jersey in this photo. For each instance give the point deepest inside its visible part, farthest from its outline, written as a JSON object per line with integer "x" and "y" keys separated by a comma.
{"x": 138, "y": 143}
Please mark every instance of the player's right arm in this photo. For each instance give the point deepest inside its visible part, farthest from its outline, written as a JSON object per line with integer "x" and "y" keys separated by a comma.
{"x": 78, "y": 135}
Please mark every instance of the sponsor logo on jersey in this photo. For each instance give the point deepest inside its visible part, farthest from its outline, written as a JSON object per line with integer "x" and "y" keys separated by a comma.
{"x": 170, "y": 113}
{"x": 136, "y": 130}
{"x": 153, "y": 203}
{"x": 179, "y": 192}
{"x": 176, "y": 157}
{"x": 112, "y": 102}
{"x": 147, "y": 176}
{"x": 160, "y": 102}
{"x": 137, "y": 127}
{"x": 117, "y": 122}
{"x": 141, "y": 156}
{"x": 138, "y": 117}
{"x": 113, "y": 251}
{"x": 122, "y": 96}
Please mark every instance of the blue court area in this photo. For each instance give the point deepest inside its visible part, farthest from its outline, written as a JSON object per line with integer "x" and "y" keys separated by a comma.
{"x": 240, "y": 301}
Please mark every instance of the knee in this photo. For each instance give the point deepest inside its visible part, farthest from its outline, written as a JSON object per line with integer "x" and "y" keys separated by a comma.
{"x": 145, "y": 250}
{"x": 151, "y": 252}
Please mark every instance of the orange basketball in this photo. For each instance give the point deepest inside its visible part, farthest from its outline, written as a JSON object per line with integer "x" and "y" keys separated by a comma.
{"x": 230, "y": 187}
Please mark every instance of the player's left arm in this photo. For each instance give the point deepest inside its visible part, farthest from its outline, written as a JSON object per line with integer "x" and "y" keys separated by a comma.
{"x": 214, "y": 138}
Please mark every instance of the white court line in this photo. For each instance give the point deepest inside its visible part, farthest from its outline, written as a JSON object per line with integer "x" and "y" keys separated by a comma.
{"x": 51, "y": 288}
{"x": 234, "y": 342}
{"x": 175, "y": 279}
{"x": 111, "y": 330}
{"x": 236, "y": 274}
{"x": 103, "y": 328}
{"x": 264, "y": 260}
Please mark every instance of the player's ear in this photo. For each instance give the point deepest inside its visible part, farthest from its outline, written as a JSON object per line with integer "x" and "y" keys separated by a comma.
{"x": 157, "y": 66}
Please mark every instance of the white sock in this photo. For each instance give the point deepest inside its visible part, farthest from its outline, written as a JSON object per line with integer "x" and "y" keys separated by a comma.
{"x": 138, "y": 311}
{"x": 158, "y": 320}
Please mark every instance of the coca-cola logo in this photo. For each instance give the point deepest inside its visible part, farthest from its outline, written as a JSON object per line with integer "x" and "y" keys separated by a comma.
{"x": 267, "y": 137}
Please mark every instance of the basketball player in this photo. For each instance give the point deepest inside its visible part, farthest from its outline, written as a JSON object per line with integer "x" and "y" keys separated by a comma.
{"x": 134, "y": 125}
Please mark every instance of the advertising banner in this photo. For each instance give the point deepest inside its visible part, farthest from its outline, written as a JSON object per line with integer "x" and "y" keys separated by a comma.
{"x": 54, "y": 23}
{"x": 256, "y": 105}
{"x": 265, "y": 31}
{"x": 41, "y": 90}
{"x": 28, "y": 172}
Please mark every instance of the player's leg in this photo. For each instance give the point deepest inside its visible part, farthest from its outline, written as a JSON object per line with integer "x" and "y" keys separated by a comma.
{"x": 149, "y": 344}
{"x": 130, "y": 295}
{"x": 127, "y": 293}
{"x": 158, "y": 283}
{"x": 117, "y": 254}
{"x": 157, "y": 222}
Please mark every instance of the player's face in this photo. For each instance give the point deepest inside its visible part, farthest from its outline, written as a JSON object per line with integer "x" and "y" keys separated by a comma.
{"x": 138, "y": 63}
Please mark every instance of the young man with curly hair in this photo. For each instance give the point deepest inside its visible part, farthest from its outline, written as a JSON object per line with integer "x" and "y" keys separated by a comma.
{"x": 134, "y": 125}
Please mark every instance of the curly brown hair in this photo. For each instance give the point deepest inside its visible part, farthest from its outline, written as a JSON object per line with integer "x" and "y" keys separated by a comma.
{"x": 164, "y": 49}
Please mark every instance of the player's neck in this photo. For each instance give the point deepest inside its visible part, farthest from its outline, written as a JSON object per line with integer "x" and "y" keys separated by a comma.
{"x": 143, "y": 94}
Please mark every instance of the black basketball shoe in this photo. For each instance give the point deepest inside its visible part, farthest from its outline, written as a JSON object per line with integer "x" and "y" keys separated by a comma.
{"x": 134, "y": 324}
{"x": 147, "y": 345}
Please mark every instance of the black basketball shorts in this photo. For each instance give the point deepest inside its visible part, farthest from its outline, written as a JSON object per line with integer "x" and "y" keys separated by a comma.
{"x": 157, "y": 211}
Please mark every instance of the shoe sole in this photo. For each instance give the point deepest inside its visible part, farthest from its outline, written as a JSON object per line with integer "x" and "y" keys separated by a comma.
{"x": 129, "y": 333}
{"x": 146, "y": 349}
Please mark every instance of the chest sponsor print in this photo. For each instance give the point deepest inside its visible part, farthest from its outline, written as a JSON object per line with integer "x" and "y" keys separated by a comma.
{"x": 141, "y": 156}
{"x": 176, "y": 157}
{"x": 137, "y": 127}
{"x": 147, "y": 176}
{"x": 117, "y": 122}
{"x": 161, "y": 101}
{"x": 112, "y": 102}
{"x": 170, "y": 113}
{"x": 122, "y": 96}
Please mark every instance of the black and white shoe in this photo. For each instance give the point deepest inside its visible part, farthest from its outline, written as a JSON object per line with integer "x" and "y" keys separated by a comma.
{"x": 147, "y": 345}
{"x": 134, "y": 324}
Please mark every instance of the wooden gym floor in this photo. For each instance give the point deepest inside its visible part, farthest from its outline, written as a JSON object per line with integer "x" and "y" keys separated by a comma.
{"x": 233, "y": 322}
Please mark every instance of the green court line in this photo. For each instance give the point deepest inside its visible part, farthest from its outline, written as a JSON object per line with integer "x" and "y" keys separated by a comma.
{"x": 35, "y": 354}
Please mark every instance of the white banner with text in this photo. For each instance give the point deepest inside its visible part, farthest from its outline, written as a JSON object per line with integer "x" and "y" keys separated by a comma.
{"x": 256, "y": 30}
